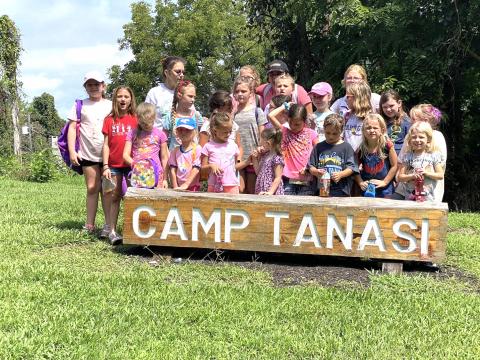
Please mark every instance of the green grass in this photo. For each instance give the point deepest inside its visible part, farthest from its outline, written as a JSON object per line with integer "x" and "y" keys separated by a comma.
{"x": 66, "y": 295}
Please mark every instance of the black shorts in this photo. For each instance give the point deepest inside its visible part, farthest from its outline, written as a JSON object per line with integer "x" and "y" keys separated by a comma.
{"x": 84, "y": 162}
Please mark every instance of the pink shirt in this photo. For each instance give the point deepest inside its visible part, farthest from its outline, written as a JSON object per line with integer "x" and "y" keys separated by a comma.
{"x": 185, "y": 161}
{"x": 299, "y": 95}
{"x": 296, "y": 149}
{"x": 222, "y": 154}
{"x": 147, "y": 144}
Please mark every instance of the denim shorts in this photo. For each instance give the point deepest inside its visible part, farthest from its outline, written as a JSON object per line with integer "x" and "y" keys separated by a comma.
{"x": 297, "y": 189}
{"x": 120, "y": 171}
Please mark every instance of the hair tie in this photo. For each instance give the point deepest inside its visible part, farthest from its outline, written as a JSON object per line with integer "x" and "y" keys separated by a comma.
{"x": 436, "y": 113}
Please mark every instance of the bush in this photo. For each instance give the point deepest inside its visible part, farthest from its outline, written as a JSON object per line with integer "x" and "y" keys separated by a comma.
{"x": 14, "y": 168}
{"x": 42, "y": 166}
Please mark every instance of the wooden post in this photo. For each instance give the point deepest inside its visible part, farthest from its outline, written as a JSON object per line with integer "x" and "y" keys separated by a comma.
{"x": 355, "y": 227}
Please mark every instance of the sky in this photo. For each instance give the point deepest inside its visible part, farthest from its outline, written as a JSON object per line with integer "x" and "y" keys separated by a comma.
{"x": 64, "y": 39}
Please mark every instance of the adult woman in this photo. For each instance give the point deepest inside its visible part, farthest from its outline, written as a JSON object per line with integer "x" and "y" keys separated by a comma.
{"x": 162, "y": 95}
{"x": 267, "y": 91}
{"x": 354, "y": 73}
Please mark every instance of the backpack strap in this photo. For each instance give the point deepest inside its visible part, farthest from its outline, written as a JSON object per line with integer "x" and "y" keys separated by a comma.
{"x": 78, "y": 106}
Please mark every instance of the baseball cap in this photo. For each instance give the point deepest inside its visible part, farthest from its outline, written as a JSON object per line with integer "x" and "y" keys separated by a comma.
{"x": 321, "y": 88}
{"x": 186, "y": 122}
{"x": 277, "y": 65}
{"x": 95, "y": 75}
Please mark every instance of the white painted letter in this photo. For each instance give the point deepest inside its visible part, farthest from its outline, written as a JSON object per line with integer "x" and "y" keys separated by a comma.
{"x": 197, "y": 218}
{"x": 229, "y": 213}
{"x": 372, "y": 223}
{"x": 345, "y": 237}
{"x": 404, "y": 235}
{"x": 173, "y": 214}
{"x": 276, "y": 215}
{"x": 136, "y": 225}
{"x": 424, "y": 238}
{"x": 307, "y": 222}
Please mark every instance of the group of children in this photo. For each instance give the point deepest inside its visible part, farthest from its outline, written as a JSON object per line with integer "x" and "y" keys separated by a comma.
{"x": 280, "y": 149}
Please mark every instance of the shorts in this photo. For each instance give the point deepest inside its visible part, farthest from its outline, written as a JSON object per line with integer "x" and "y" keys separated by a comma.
{"x": 296, "y": 188}
{"x": 250, "y": 169}
{"x": 120, "y": 171}
{"x": 226, "y": 189}
{"x": 84, "y": 162}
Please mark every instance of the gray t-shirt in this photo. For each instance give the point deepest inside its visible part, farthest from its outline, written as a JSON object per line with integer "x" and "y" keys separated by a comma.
{"x": 248, "y": 122}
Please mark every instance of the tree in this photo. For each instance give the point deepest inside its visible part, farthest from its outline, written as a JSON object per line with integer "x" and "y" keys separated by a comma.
{"x": 9, "y": 60}
{"x": 213, "y": 36}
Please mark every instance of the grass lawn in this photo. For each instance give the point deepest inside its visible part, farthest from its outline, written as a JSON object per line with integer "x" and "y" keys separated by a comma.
{"x": 66, "y": 295}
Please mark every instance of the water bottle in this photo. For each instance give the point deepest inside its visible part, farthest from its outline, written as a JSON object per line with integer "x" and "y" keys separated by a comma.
{"x": 419, "y": 189}
{"x": 325, "y": 184}
{"x": 370, "y": 192}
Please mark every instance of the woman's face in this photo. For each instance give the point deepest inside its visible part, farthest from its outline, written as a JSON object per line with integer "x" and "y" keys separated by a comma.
{"x": 174, "y": 75}
{"x": 353, "y": 77}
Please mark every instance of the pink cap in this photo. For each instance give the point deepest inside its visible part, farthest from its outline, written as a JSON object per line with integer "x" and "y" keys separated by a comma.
{"x": 321, "y": 88}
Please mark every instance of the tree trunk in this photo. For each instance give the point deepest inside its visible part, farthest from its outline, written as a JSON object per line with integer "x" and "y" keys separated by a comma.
{"x": 16, "y": 132}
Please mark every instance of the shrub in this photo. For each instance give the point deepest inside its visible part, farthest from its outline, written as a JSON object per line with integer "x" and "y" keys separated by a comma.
{"x": 42, "y": 166}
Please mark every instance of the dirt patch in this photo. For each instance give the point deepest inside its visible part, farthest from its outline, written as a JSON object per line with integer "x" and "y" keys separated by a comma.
{"x": 291, "y": 269}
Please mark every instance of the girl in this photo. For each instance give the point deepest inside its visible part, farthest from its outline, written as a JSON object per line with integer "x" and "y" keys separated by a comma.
{"x": 398, "y": 122}
{"x": 421, "y": 160}
{"x": 184, "y": 161}
{"x": 173, "y": 70}
{"x": 335, "y": 157}
{"x": 358, "y": 99}
{"x": 297, "y": 143}
{"x": 377, "y": 157}
{"x": 147, "y": 142}
{"x": 116, "y": 126}
{"x": 220, "y": 156}
{"x": 353, "y": 74}
{"x": 251, "y": 121}
{"x": 269, "y": 164}
{"x": 182, "y": 107}
{"x": 94, "y": 109}
{"x": 321, "y": 95}
{"x": 429, "y": 113}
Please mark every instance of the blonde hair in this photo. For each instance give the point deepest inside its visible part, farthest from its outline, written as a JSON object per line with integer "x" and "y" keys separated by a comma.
{"x": 179, "y": 89}
{"x": 239, "y": 80}
{"x": 382, "y": 140}
{"x": 361, "y": 103}
{"x": 287, "y": 77}
{"x": 357, "y": 68}
{"x": 426, "y": 112}
{"x": 146, "y": 115}
{"x": 422, "y": 127}
{"x": 255, "y": 74}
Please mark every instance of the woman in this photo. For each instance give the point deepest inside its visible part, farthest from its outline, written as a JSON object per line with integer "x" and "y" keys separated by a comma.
{"x": 162, "y": 95}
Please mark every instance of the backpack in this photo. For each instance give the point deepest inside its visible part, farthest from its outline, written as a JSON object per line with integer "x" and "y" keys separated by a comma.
{"x": 145, "y": 174}
{"x": 63, "y": 139}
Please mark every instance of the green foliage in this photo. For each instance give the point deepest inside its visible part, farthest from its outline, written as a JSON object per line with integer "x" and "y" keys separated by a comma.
{"x": 42, "y": 165}
{"x": 213, "y": 37}
{"x": 43, "y": 112}
{"x": 12, "y": 167}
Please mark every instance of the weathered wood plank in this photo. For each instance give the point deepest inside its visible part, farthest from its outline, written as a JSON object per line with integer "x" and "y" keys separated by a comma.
{"x": 356, "y": 227}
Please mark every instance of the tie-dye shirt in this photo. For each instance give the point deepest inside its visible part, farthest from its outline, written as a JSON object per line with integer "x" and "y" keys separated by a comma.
{"x": 296, "y": 149}
{"x": 185, "y": 161}
{"x": 147, "y": 144}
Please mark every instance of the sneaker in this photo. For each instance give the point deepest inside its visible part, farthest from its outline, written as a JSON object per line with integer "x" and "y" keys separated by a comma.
{"x": 114, "y": 238}
{"x": 105, "y": 232}
{"x": 89, "y": 228}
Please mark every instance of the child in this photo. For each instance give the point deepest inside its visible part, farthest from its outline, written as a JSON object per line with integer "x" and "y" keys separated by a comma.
{"x": 94, "y": 110}
{"x": 116, "y": 126}
{"x": 430, "y": 114}
{"x": 377, "y": 157}
{"x": 398, "y": 122}
{"x": 321, "y": 95}
{"x": 358, "y": 99}
{"x": 421, "y": 160}
{"x": 334, "y": 156}
{"x": 277, "y": 100}
{"x": 251, "y": 121}
{"x": 182, "y": 107}
{"x": 297, "y": 143}
{"x": 147, "y": 142}
{"x": 269, "y": 163}
{"x": 184, "y": 161}
{"x": 220, "y": 156}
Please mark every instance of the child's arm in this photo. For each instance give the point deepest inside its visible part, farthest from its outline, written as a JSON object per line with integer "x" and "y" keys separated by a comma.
{"x": 105, "y": 155}
{"x": 272, "y": 116}
{"x": 173, "y": 176}
{"x": 194, "y": 173}
{"x": 392, "y": 156}
{"x": 276, "y": 182}
{"x": 437, "y": 174}
{"x": 316, "y": 172}
{"x": 241, "y": 164}
{"x": 239, "y": 144}
{"x": 362, "y": 184}
{"x": 339, "y": 175}
{"x": 402, "y": 177}
{"x": 71, "y": 137}
{"x": 164, "y": 160}
{"x": 256, "y": 160}
{"x": 214, "y": 168}
{"x": 127, "y": 150}
{"x": 203, "y": 138}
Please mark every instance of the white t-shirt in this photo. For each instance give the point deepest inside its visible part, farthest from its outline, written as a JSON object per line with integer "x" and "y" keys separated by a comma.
{"x": 319, "y": 119}
{"x": 353, "y": 131}
{"x": 162, "y": 98}
{"x": 206, "y": 129}
{"x": 91, "y": 136}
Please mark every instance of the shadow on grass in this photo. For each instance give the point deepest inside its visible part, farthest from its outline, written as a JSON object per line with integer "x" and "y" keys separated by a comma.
{"x": 69, "y": 225}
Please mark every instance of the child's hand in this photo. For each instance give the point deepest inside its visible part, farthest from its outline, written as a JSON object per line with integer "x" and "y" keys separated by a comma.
{"x": 107, "y": 173}
{"x": 317, "y": 172}
{"x": 182, "y": 187}
{"x": 264, "y": 193}
{"x": 336, "y": 176}
{"x": 311, "y": 120}
{"x": 75, "y": 158}
{"x": 364, "y": 185}
{"x": 378, "y": 183}
{"x": 216, "y": 169}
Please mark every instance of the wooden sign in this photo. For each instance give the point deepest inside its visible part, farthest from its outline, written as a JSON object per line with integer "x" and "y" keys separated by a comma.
{"x": 355, "y": 227}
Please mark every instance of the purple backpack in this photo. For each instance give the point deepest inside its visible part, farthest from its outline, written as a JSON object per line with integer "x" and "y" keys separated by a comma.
{"x": 145, "y": 174}
{"x": 63, "y": 140}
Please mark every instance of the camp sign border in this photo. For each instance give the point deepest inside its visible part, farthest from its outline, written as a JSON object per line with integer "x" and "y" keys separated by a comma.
{"x": 354, "y": 227}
